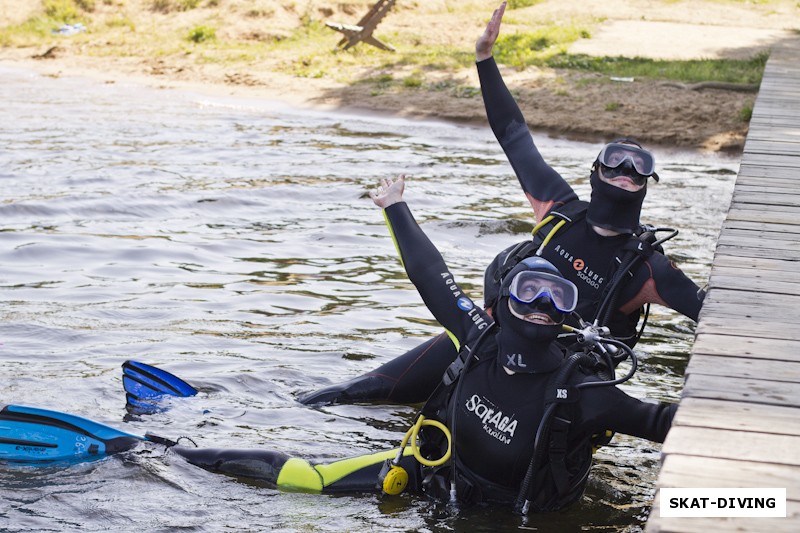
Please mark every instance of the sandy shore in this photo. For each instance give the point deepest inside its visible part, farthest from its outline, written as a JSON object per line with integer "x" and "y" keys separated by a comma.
{"x": 563, "y": 103}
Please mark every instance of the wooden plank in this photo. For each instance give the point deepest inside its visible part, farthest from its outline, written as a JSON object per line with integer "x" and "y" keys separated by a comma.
{"x": 727, "y": 473}
{"x": 761, "y": 118}
{"x": 771, "y": 105}
{"x": 732, "y": 345}
{"x": 775, "y": 210}
{"x": 766, "y": 187}
{"x": 760, "y": 241}
{"x": 740, "y": 367}
{"x": 762, "y": 238}
{"x": 726, "y": 321}
{"x": 742, "y": 389}
{"x": 753, "y": 281}
{"x": 757, "y": 301}
{"x": 747, "y": 169}
{"x": 773, "y": 229}
{"x": 773, "y": 145}
{"x": 752, "y": 312}
{"x": 736, "y": 276}
{"x": 738, "y": 416}
{"x": 767, "y": 264}
{"x": 737, "y": 445}
{"x": 768, "y": 182}
{"x": 765, "y": 198}
{"x": 743, "y": 251}
{"x": 774, "y": 160}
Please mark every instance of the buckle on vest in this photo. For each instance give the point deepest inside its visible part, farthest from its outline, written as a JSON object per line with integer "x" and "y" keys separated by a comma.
{"x": 453, "y": 371}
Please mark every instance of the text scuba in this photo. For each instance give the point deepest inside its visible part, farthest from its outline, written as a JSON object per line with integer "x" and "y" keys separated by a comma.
{"x": 494, "y": 421}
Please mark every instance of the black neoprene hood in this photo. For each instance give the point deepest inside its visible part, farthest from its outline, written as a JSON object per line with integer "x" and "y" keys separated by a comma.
{"x": 612, "y": 207}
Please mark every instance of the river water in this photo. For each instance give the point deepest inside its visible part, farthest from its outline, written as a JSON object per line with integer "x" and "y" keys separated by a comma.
{"x": 231, "y": 242}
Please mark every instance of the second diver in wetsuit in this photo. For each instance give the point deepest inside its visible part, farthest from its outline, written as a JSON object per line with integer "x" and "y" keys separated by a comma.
{"x": 596, "y": 237}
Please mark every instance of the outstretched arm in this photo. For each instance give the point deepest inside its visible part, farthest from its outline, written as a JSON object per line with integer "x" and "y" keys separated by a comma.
{"x": 543, "y": 186}
{"x": 426, "y": 268}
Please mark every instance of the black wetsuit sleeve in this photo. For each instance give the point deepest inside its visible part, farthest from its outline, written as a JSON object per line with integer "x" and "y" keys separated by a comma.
{"x": 611, "y": 408}
{"x": 540, "y": 182}
{"x": 428, "y": 272}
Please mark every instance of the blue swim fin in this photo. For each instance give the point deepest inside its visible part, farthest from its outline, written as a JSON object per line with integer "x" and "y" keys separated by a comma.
{"x": 145, "y": 386}
{"x": 28, "y": 434}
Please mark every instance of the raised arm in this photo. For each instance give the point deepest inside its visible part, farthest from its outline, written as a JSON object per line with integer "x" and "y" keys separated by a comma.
{"x": 426, "y": 268}
{"x": 543, "y": 186}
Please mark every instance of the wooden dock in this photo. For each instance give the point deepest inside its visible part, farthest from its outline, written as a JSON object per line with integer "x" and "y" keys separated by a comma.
{"x": 738, "y": 424}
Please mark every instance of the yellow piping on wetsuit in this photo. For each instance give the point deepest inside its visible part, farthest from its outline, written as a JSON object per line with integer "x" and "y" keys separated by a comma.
{"x": 299, "y": 474}
{"x": 333, "y": 472}
{"x": 400, "y": 255}
{"x": 394, "y": 239}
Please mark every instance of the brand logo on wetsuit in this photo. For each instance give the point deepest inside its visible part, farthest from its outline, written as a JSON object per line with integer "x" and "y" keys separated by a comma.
{"x": 590, "y": 277}
{"x": 463, "y": 303}
{"x": 495, "y": 423}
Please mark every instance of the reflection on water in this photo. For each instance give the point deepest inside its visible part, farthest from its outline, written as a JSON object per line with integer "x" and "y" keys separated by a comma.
{"x": 232, "y": 242}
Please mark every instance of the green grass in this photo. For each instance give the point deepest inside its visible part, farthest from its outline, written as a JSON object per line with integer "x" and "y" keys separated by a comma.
{"x": 519, "y": 4}
{"x": 201, "y": 34}
{"x": 523, "y": 49}
{"x": 748, "y": 71}
{"x": 547, "y": 47}
{"x": 746, "y": 112}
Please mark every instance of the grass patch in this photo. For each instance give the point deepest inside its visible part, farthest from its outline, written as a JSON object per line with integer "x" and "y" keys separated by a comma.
{"x": 523, "y": 49}
{"x": 413, "y": 81}
{"x": 746, "y": 112}
{"x": 519, "y": 4}
{"x": 200, "y": 34}
{"x": 65, "y": 11}
{"x": 168, "y": 6}
{"x": 748, "y": 71}
{"x": 54, "y": 14}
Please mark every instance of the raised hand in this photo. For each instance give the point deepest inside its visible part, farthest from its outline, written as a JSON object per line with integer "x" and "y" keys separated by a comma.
{"x": 485, "y": 43}
{"x": 389, "y": 192}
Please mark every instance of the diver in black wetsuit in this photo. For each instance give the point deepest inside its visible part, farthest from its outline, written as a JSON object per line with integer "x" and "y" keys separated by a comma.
{"x": 597, "y": 237}
{"x": 515, "y": 376}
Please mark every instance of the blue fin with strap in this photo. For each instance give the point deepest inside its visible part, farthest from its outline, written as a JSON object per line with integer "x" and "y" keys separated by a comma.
{"x": 146, "y": 385}
{"x": 29, "y": 434}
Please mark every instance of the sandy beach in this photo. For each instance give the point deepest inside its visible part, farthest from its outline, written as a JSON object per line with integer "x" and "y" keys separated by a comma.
{"x": 566, "y": 103}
